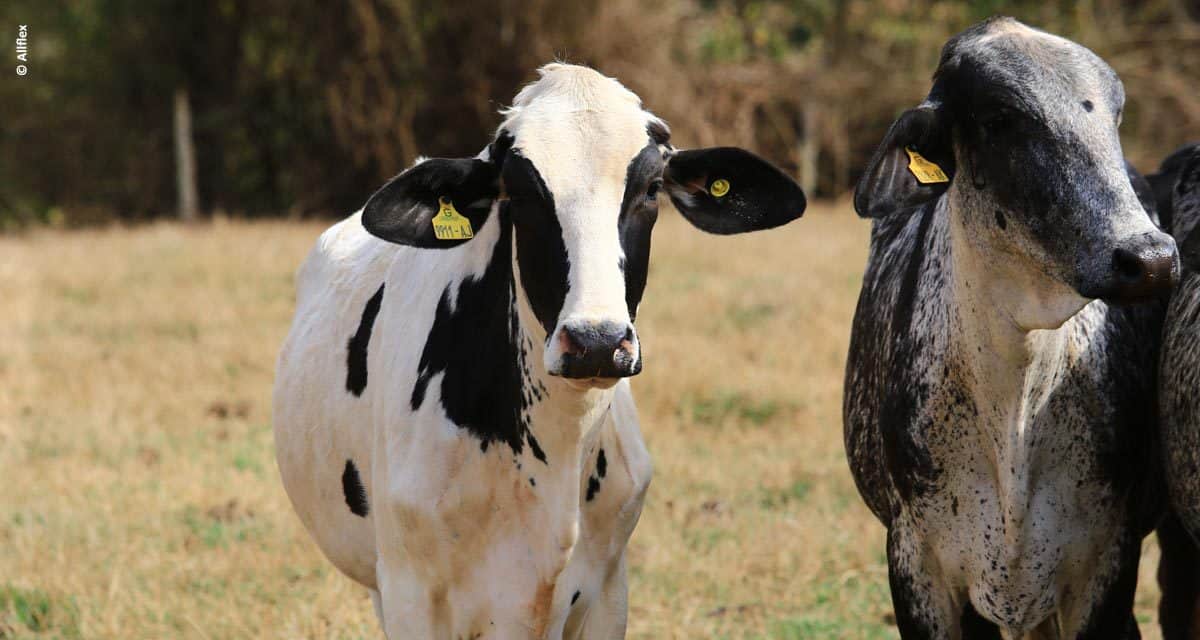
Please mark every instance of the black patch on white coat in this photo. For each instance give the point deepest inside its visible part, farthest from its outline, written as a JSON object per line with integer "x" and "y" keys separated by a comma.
{"x": 356, "y": 348}
{"x": 593, "y": 487}
{"x": 639, "y": 211}
{"x": 354, "y": 491}
{"x": 574, "y": 597}
{"x": 541, "y": 252}
{"x": 593, "y": 484}
{"x": 478, "y": 348}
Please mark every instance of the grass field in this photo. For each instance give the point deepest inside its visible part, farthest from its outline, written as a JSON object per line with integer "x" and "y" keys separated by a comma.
{"x": 139, "y": 496}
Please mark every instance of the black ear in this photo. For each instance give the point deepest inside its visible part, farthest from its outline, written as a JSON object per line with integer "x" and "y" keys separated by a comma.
{"x": 913, "y": 165}
{"x": 728, "y": 190}
{"x": 426, "y": 205}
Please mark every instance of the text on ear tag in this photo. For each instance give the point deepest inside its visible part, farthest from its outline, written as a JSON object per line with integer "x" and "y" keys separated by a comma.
{"x": 449, "y": 224}
{"x": 719, "y": 187}
{"x": 925, "y": 171}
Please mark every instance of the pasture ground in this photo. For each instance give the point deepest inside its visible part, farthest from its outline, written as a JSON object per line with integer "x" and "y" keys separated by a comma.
{"x": 139, "y": 496}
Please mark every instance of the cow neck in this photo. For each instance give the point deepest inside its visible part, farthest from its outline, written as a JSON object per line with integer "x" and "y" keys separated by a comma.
{"x": 562, "y": 417}
{"x": 1010, "y": 371}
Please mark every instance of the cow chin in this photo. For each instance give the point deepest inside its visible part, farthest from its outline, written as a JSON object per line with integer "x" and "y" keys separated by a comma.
{"x": 587, "y": 384}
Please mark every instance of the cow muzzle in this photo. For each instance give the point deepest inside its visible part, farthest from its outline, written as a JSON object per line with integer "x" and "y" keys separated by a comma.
{"x": 1144, "y": 267}
{"x": 603, "y": 350}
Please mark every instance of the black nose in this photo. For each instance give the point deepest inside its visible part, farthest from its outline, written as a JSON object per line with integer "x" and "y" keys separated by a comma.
{"x": 598, "y": 350}
{"x": 1144, "y": 268}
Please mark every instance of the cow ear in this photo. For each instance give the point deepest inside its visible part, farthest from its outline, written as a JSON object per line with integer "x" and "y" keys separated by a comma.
{"x": 913, "y": 165}
{"x": 437, "y": 204}
{"x": 727, "y": 190}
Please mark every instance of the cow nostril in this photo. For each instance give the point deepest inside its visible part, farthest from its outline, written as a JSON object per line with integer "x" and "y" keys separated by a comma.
{"x": 1129, "y": 267}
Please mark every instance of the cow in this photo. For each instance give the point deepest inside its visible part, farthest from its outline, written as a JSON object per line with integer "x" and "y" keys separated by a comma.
{"x": 1162, "y": 182}
{"x": 999, "y": 409}
{"x": 453, "y": 420}
{"x": 1179, "y": 566}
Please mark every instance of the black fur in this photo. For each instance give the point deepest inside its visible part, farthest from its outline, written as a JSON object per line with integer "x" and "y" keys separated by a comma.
{"x": 354, "y": 491}
{"x": 639, "y": 211}
{"x": 479, "y": 348}
{"x": 541, "y": 253}
{"x": 760, "y": 195}
{"x": 402, "y": 211}
{"x": 356, "y": 348}
{"x": 1163, "y": 181}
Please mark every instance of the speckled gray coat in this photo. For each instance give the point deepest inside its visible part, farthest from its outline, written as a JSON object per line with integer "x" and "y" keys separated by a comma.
{"x": 999, "y": 419}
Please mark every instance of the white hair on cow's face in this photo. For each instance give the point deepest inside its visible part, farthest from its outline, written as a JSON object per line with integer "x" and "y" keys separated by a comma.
{"x": 580, "y": 129}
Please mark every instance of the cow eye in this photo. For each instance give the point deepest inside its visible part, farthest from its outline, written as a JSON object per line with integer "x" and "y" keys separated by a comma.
{"x": 998, "y": 121}
{"x": 652, "y": 190}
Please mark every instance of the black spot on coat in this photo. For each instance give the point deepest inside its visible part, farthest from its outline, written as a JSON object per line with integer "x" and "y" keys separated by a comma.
{"x": 354, "y": 491}
{"x": 356, "y": 349}
{"x": 478, "y": 348}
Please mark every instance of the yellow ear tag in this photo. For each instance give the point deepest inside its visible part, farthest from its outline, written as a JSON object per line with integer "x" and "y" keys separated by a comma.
{"x": 449, "y": 224}
{"x": 925, "y": 171}
{"x": 719, "y": 187}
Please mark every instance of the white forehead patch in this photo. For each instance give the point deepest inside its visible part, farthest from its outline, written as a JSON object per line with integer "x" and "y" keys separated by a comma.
{"x": 580, "y": 129}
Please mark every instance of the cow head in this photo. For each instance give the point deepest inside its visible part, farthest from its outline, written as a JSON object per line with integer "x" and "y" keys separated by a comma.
{"x": 1023, "y": 125}
{"x": 577, "y": 168}
{"x": 1186, "y": 207}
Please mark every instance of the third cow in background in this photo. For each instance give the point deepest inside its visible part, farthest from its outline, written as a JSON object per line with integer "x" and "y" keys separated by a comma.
{"x": 999, "y": 412}
{"x": 1178, "y": 182}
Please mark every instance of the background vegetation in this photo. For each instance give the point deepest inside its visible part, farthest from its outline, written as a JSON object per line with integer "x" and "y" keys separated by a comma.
{"x": 303, "y": 108}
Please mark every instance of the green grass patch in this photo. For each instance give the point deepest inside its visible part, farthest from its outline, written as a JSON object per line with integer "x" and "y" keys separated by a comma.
{"x": 781, "y": 498}
{"x": 35, "y": 611}
{"x": 723, "y": 406}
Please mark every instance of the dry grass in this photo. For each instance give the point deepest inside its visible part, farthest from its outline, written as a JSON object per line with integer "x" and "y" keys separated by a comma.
{"x": 139, "y": 497}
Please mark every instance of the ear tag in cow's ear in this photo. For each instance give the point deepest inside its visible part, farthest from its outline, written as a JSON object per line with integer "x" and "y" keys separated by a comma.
{"x": 719, "y": 187}
{"x": 925, "y": 171}
{"x": 449, "y": 224}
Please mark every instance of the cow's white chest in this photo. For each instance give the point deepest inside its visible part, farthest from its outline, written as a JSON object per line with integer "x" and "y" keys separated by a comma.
{"x": 1015, "y": 517}
{"x": 509, "y": 539}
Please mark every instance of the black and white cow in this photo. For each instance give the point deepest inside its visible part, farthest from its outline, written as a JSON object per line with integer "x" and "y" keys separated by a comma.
{"x": 999, "y": 413}
{"x": 1179, "y": 404}
{"x": 451, "y": 419}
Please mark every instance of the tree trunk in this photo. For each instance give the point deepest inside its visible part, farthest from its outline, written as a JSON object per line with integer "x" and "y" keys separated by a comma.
{"x": 185, "y": 157}
{"x": 809, "y": 151}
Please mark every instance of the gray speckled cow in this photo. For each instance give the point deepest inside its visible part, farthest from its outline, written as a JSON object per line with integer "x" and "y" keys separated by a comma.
{"x": 1178, "y": 184}
{"x": 999, "y": 413}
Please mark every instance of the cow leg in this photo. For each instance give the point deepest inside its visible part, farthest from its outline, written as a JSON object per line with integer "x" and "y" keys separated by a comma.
{"x": 606, "y": 614}
{"x": 409, "y": 609}
{"x": 1110, "y": 616}
{"x": 378, "y": 602}
{"x": 924, "y": 610}
{"x": 1178, "y": 580}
